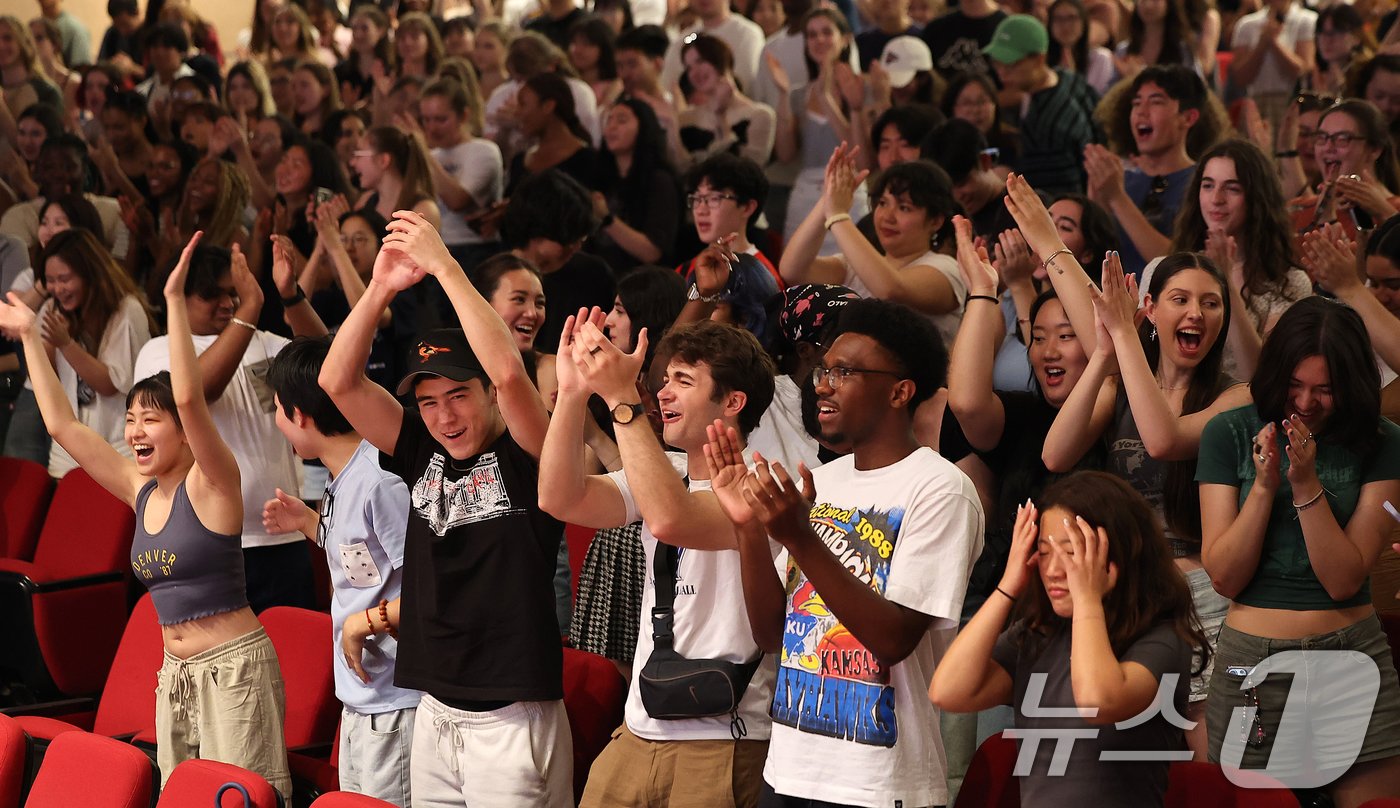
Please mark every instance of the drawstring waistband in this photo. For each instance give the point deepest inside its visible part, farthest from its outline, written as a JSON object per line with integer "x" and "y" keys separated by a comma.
{"x": 444, "y": 725}
{"x": 181, "y": 687}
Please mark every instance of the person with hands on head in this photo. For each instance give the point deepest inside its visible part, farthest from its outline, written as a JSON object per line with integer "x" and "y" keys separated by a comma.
{"x": 1100, "y": 624}
{"x": 913, "y": 209}
{"x": 1292, "y": 489}
{"x": 874, "y": 634}
{"x": 361, "y": 528}
{"x": 715, "y": 372}
{"x": 479, "y": 555}
{"x": 184, "y": 484}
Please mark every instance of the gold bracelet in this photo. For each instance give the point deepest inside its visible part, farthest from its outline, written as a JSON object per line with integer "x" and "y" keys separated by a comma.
{"x": 1050, "y": 262}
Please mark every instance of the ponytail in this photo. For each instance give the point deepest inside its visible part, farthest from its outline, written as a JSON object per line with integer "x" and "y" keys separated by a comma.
{"x": 409, "y": 157}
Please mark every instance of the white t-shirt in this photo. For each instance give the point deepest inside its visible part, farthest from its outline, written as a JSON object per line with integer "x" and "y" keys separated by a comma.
{"x": 711, "y": 622}
{"x": 742, "y": 35}
{"x": 476, "y": 164}
{"x": 126, "y": 332}
{"x": 244, "y": 415}
{"x": 845, "y": 729}
{"x": 947, "y": 324}
{"x": 1298, "y": 26}
{"x": 780, "y": 434}
{"x": 585, "y": 106}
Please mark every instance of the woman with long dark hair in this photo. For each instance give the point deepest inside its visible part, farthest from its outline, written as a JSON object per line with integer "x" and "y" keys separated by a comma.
{"x": 1070, "y": 47}
{"x": 639, "y": 205}
{"x": 1292, "y": 501}
{"x": 1099, "y": 622}
{"x": 1360, "y": 173}
{"x": 592, "y": 44}
{"x": 1234, "y": 212}
{"x": 1159, "y": 33}
{"x": 545, "y": 112}
{"x": 719, "y": 116}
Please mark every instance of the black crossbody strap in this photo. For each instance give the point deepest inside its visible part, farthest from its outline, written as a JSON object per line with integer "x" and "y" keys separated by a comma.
{"x": 663, "y": 614}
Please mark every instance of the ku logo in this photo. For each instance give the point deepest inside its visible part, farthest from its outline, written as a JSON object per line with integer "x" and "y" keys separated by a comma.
{"x": 426, "y": 351}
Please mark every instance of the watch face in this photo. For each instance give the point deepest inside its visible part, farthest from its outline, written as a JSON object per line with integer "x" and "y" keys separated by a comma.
{"x": 624, "y": 413}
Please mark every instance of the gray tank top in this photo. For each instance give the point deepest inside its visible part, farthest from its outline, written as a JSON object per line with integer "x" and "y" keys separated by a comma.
{"x": 190, "y": 570}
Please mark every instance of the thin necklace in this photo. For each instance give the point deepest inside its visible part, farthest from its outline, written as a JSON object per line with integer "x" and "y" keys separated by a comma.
{"x": 1161, "y": 386}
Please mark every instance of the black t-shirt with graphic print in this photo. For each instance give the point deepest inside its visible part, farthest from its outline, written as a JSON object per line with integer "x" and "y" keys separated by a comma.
{"x": 477, "y": 615}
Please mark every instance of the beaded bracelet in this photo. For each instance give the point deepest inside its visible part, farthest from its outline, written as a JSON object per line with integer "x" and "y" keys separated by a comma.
{"x": 384, "y": 615}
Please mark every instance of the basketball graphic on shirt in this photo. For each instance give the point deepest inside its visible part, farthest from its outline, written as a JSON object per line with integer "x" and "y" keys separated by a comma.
{"x": 828, "y": 682}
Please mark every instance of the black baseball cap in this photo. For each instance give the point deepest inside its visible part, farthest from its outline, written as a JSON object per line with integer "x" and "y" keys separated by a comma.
{"x": 441, "y": 352}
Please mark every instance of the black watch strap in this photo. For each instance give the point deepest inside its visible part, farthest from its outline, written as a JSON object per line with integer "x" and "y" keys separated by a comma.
{"x": 288, "y": 302}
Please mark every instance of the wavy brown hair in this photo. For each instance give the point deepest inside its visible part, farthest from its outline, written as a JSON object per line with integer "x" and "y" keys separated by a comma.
{"x": 1149, "y": 591}
{"x": 1266, "y": 238}
{"x": 105, "y": 284}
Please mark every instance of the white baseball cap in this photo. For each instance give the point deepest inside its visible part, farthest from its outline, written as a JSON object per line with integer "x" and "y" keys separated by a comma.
{"x": 904, "y": 56}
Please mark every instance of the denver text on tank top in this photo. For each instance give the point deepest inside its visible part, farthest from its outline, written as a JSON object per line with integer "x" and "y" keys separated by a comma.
{"x": 190, "y": 570}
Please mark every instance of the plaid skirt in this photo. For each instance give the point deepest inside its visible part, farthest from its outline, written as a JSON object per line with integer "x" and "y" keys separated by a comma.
{"x": 607, "y": 610}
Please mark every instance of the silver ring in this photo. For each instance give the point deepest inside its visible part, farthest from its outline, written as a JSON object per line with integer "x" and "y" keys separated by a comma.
{"x": 1262, "y": 458}
{"x": 1305, "y": 441}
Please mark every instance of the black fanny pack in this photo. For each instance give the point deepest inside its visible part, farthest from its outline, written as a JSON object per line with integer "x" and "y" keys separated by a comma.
{"x": 673, "y": 687}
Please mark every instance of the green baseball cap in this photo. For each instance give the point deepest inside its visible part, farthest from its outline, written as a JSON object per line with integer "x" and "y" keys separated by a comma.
{"x": 1017, "y": 37}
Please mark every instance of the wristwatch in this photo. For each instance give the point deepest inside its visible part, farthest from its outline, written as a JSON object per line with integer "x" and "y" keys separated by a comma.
{"x": 627, "y": 413}
{"x": 694, "y": 294}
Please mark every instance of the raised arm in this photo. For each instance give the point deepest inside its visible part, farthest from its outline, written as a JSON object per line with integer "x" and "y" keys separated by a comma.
{"x": 968, "y": 679}
{"x": 300, "y": 316}
{"x": 1087, "y": 412}
{"x": 1066, "y": 275}
{"x": 800, "y": 262}
{"x": 412, "y": 236}
{"x": 372, "y": 410}
{"x": 566, "y": 491}
{"x": 978, "y": 408}
{"x": 1232, "y": 535}
{"x": 785, "y": 141}
{"x": 1331, "y": 260}
{"x": 217, "y": 466}
{"x": 220, "y": 360}
{"x": 113, "y": 472}
{"x": 1342, "y": 557}
{"x": 675, "y": 515}
{"x": 1115, "y": 690}
{"x": 1165, "y": 434}
{"x": 763, "y": 588}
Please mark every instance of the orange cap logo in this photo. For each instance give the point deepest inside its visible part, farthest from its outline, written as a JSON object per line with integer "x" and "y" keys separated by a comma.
{"x": 427, "y": 351}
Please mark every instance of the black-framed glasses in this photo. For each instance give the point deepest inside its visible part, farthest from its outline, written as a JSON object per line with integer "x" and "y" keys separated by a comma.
{"x": 836, "y": 376}
{"x": 323, "y": 526}
{"x": 1152, "y": 203}
{"x": 1342, "y": 139}
{"x": 711, "y": 201}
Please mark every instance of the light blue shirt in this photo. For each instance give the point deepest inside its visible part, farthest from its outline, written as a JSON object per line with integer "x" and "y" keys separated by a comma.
{"x": 363, "y": 528}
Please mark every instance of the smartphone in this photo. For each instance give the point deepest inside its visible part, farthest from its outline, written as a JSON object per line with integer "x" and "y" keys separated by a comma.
{"x": 323, "y": 195}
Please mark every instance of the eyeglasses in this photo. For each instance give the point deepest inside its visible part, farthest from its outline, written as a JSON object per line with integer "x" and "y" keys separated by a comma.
{"x": 1342, "y": 139}
{"x": 1152, "y": 204}
{"x": 836, "y": 376}
{"x": 711, "y": 201}
{"x": 358, "y": 240}
{"x": 323, "y": 526}
{"x": 1253, "y": 732}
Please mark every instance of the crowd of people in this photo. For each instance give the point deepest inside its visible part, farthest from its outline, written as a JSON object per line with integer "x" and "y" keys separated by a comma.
{"x": 920, "y": 370}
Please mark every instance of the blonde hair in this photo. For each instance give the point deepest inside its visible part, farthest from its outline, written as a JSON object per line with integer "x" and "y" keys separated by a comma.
{"x": 28, "y": 51}
{"x": 226, "y": 218}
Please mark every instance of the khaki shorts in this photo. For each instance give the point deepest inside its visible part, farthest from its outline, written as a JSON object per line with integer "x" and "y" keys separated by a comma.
{"x": 637, "y": 772}
{"x": 1327, "y": 696}
{"x": 225, "y": 704}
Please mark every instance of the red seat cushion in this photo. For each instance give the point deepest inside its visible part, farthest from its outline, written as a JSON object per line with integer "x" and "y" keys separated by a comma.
{"x": 77, "y": 760}
{"x": 46, "y": 729}
{"x": 594, "y": 696}
{"x": 302, "y": 639}
{"x": 347, "y": 799}
{"x": 195, "y": 782}
{"x": 14, "y": 754}
{"x": 25, "y": 490}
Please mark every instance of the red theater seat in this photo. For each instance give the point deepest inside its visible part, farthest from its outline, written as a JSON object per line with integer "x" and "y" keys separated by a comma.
{"x": 25, "y": 491}
{"x": 346, "y": 799}
{"x": 988, "y": 782}
{"x": 594, "y": 695}
{"x": 14, "y": 761}
{"x": 303, "y": 641}
{"x": 82, "y": 769}
{"x": 65, "y": 611}
{"x": 127, "y": 705}
{"x": 195, "y": 784}
{"x": 1193, "y": 783}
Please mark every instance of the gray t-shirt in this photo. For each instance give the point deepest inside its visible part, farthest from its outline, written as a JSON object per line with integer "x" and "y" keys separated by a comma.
{"x": 1087, "y": 779}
